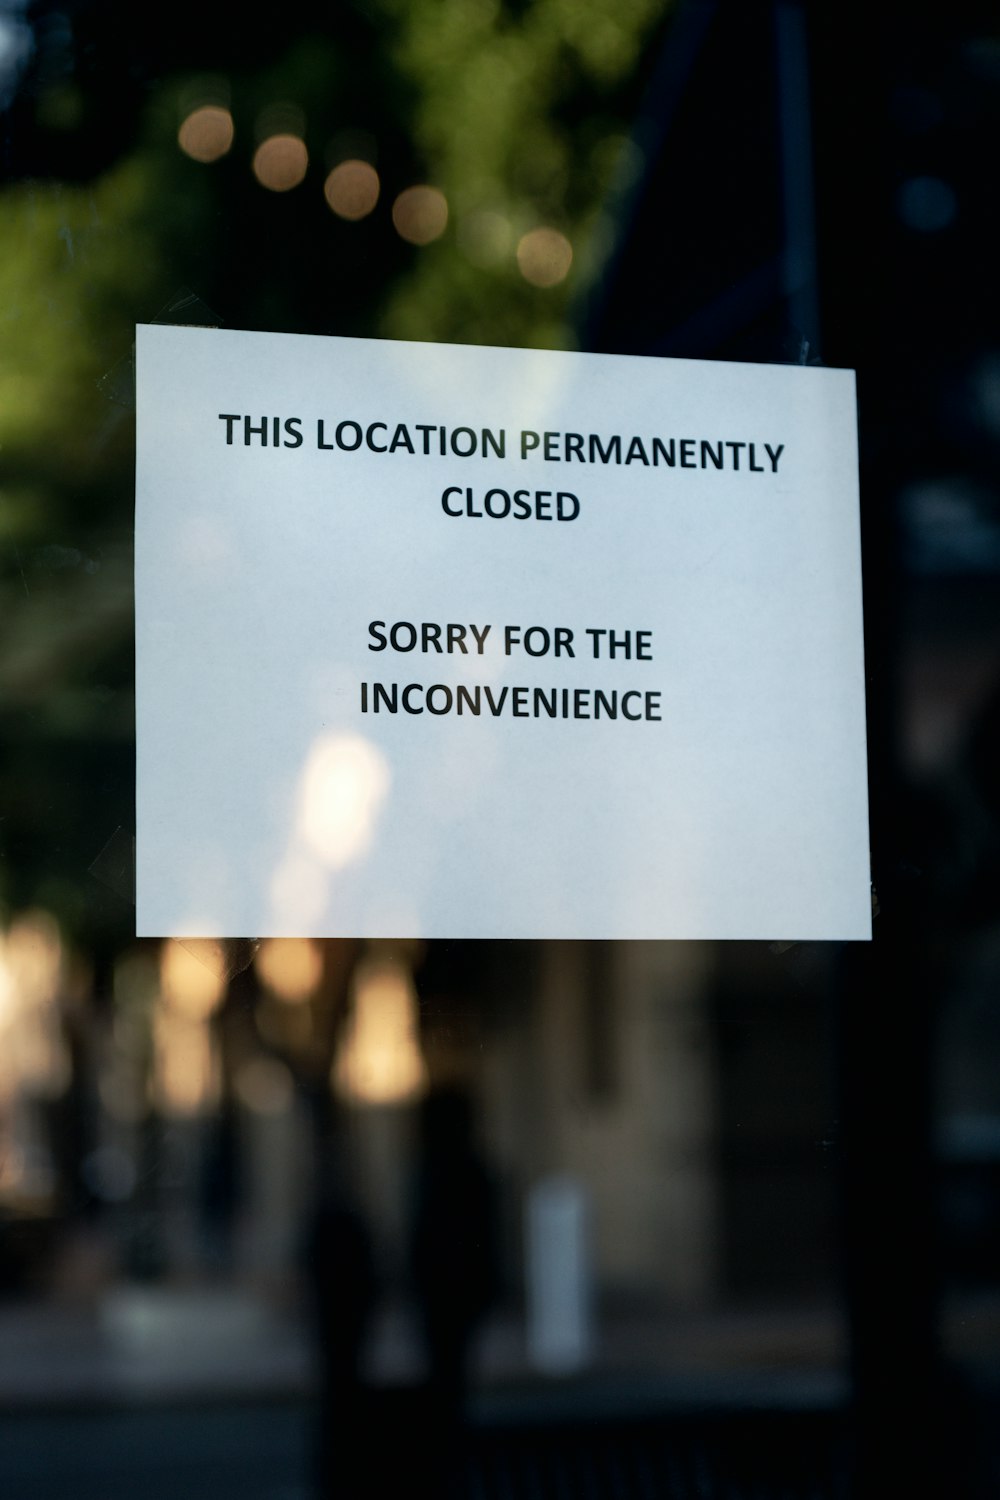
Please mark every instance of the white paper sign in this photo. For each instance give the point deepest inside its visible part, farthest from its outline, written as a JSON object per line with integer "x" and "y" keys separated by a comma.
{"x": 467, "y": 642}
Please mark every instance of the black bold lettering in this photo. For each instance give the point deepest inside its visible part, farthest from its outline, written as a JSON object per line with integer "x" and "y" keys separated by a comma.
{"x": 411, "y": 636}
{"x": 504, "y": 501}
{"x": 341, "y": 429}
{"x": 467, "y": 698}
{"x": 439, "y": 687}
{"x": 613, "y": 450}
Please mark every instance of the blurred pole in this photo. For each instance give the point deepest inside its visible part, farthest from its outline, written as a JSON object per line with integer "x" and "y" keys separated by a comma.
{"x": 558, "y": 1277}
{"x": 886, "y": 987}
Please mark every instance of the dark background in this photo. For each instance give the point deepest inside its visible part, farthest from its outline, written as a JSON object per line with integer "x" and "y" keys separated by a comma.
{"x": 769, "y": 182}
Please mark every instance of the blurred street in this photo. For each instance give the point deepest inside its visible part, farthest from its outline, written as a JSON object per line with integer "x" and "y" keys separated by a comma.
{"x": 209, "y": 1392}
{"x": 139, "y": 1346}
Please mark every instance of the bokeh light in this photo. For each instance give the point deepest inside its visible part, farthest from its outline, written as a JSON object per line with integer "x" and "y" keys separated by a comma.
{"x": 344, "y": 785}
{"x": 380, "y": 1061}
{"x": 189, "y": 986}
{"x": 33, "y": 1053}
{"x": 927, "y": 204}
{"x": 544, "y": 256}
{"x": 352, "y": 189}
{"x": 280, "y": 163}
{"x": 206, "y": 133}
{"x": 484, "y": 238}
{"x": 265, "y": 1086}
{"x": 420, "y": 214}
{"x": 185, "y": 1066}
{"x": 290, "y": 968}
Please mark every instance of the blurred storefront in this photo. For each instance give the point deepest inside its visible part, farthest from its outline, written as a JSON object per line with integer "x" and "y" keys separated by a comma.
{"x": 729, "y": 1210}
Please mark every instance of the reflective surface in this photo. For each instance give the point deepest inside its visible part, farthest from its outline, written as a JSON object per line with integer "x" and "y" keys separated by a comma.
{"x": 551, "y": 1218}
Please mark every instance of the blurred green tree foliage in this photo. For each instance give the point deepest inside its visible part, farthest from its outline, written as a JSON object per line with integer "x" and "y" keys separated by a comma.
{"x": 518, "y": 113}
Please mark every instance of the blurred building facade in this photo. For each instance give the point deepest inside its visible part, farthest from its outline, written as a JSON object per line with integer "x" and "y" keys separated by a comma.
{"x": 768, "y": 1161}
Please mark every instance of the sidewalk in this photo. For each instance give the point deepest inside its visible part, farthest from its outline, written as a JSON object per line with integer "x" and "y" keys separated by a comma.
{"x": 141, "y": 1344}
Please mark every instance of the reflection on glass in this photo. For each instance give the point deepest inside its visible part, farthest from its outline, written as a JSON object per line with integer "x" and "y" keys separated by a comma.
{"x": 352, "y": 189}
{"x": 343, "y": 787}
{"x": 379, "y": 1061}
{"x": 185, "y": 1074}
{"x": 280, "y": 162}
{"x": 544, "y": 257}
{"x": 299, "y": 889}
{"x": 33, "y": 1055}
{"x": 190, "y": 987}
{"x": 207, "y": 133}
{"x": 420, "y": 214}
{"x": 289, "y": 967}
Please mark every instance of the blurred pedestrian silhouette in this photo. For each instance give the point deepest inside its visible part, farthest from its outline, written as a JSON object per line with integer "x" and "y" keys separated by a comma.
{"x": 220, "y": 1187}
{"x": 454, "y": 1262}
{"x": 342, "y": 1278}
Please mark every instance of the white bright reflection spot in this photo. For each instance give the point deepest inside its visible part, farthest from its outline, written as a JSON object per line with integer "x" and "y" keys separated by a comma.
{"x": 299, "y": 890}
{"x": 344, "y": 785}
{"x": 380, "y": 1061}
{"x": 207, "y": 133}
{"x": 190, "y": 987}
{"x": 8, "y": 41}
{"x": 544, "y": 257}
{"x": 16, "y": 46}
{"x": 289, "y": 967}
